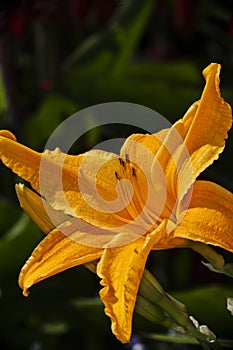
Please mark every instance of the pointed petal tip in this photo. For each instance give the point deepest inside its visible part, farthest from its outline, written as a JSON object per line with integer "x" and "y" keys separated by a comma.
{"x": 19, "y": 187}
{"x": 26, "y": 292}
{"x": 25, "y": 289}
{"x": 213, "y": 69}
{"x": 120, "y": 269}
{"x": 7, "y": 134}
{"x": 20, "y": 159}
{"x": 212, "y": 66}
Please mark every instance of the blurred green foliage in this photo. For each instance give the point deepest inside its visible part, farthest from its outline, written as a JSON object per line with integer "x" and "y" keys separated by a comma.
{"x": 59, "y": 57}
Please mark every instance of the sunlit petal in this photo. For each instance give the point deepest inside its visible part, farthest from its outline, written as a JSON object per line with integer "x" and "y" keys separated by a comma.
{"x": 57, "y": 252}
{"x": 61, "y": 190}
{"x": 121, "y": 269}
{"x": 209, "y": 218}
{"x": 204, "y": 130}
{"x": 143, "y": 148}
{"x": 21, "y": 160}
{"x": 152, "y": 154}
{"x": 99, "y": 205}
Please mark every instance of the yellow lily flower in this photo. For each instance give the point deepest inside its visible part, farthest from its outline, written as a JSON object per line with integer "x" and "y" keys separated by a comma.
{"x": 123, "y": 227}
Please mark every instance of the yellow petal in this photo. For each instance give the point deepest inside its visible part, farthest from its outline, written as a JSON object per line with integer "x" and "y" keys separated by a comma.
{"x": 209, "y": 218}
{"x": 213, "y": 114}
{"x": 20, "y": 159}
{"x": 151, "y": 153}
{"x": 121, "y": 269}
{"x": 7, "y": 134}
{"x": 57, "y": 252}
{"x": 61, "y": 190}
{"x": 207, "y": 121}
{"x": 204, "y": 130}
{"x": 38, "y": 210}
{"x": 93, "y": 193}
{"x": 111, "y": 192}
{"x": 142, "y": 149}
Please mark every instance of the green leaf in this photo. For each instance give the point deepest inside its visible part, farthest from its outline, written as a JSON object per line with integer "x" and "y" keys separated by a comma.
{"x": 3, "y": 102}
{"x": 129, "y": 37}
{"x": 16, "y": 245}
{"x": 5, "y": 208}
{"x": 54, "y": 109}
{"x": 56, "y": 327}
{"x": 92, "y": 310}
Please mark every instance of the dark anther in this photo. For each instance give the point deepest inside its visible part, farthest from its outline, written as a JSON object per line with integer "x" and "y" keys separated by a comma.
{"x": 134, "y": 172}
{"x": 122, "y": 162}
{"x": 117, "y": 175}
{"x": 127, "y": 157}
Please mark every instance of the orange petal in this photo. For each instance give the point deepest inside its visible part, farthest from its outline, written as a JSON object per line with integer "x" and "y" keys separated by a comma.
{"x": 55, "y": 175}
{"x": 7, "y": 134}
{"x": 121, "y": 270}
{"x": 93, "y": 191}
{"x": 204, "y": 130}
{"x": 20, "y": 159}
{"x": 57, "y": 252}
{"x": 111, "y": 192}
{"x": 38, "y": 210}
{"x": 213, "y": 114}
{"x": 142, "y": 149}
{"x": 151, "y": 153}
{"x": 209, "y": 218}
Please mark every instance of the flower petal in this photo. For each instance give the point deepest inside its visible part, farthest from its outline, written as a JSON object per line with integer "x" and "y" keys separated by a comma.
{"x": 151, "y": 153}
{"x": 207, "y": 122}
{"x": 204, "y": 130}
{"x": 209, "y": 218}
{"x": 121, "y": 269}
{"x": 57, "y": 252}
{"x": 38, "y": 210}
{"x": 62, "y": 189}
{"x": 21, "y": 160}
{"x": 142, "y": 149}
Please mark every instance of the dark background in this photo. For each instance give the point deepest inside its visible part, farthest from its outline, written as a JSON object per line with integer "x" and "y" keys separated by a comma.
{"x": 58, "y": 57}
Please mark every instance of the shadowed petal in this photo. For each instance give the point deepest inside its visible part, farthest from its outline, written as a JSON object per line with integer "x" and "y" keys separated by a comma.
{"x": 38, "y": 210}
{"x": 121, "y": 269}
{"x": 209, "y": 218}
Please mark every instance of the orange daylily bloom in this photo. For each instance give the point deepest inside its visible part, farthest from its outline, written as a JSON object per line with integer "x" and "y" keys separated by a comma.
{"x": 167, "y": 208}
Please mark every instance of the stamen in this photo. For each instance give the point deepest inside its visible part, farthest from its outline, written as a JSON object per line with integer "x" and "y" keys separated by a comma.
{"x": 133, "y": 209}
{"x": 133, "y": 172}
{"x": 122, "y": 162}
{"x": 149, "y": 215}
{"x": 117, "y": 175}
{"x": 136, "y": 205}
{"x": 127, "y": 158}
{"x": 126, "y": 195}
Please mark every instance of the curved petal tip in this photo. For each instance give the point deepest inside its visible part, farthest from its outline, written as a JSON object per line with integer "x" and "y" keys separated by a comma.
{"x": 8, "y": 135}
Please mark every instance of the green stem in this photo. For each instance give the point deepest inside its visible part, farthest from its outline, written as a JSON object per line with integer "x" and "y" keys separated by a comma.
{"x": 183, "y": 339}
{"x": 209, "y": 254}
{"x": 153, "y": 292}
